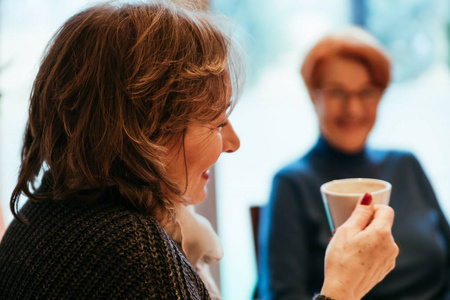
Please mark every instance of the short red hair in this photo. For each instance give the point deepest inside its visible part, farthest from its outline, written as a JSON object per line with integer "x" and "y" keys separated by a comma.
{"x": 353, "y": 43}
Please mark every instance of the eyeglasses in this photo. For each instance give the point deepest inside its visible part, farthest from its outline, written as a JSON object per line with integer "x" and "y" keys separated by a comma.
{"x": 368, "y": 94}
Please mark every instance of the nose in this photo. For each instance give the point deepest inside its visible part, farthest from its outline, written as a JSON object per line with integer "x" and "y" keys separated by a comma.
{"x": 231, "y": 141}
{"x": 354, "y": 105}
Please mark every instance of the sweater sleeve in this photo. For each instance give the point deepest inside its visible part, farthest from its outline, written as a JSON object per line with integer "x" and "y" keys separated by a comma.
{"x": 283, "y": 237}
{"x": 430, "y": 196}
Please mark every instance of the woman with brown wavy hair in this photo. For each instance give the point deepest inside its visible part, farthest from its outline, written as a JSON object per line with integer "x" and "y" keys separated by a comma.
{"x": 128, "y": 112}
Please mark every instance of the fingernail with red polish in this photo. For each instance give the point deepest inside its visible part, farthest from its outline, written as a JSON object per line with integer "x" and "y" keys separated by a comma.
{"x": 329, "y": 240}
{"x": 366, "y": 199}
{"x": 334, "y": 231}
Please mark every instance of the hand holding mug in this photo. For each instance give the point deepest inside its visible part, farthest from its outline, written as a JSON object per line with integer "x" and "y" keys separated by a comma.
{"x": 361, "y": 253}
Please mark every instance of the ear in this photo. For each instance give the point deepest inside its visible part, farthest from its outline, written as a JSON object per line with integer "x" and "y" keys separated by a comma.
{"x": 314, "y": 97}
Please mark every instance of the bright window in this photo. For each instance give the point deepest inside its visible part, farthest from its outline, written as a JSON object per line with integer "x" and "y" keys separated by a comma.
{"x": 25, "y": 28}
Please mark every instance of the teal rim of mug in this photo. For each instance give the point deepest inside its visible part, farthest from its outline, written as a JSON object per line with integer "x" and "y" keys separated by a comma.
{"x": 327, "y": 211}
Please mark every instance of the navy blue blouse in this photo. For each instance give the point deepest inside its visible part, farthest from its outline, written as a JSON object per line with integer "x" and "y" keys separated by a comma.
{"x": 294, "y": 231}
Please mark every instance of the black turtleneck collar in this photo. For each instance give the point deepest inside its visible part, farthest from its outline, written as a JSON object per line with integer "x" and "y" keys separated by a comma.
{"x": 326, "y": 150}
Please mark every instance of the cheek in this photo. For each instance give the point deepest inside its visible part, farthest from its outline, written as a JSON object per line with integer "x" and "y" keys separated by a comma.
{"x": 175, "y": 167}
{"x": 319, "y": 107}
{"x": 202, "y": 154}
{"x": 371, "y": 115}
{"x": 213, "y": 149}
{"x": 327, "y": 113}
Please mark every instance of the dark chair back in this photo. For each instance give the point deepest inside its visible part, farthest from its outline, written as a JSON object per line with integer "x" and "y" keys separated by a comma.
{"x": 255, "y": 211}
{"x": 254, "y": 214}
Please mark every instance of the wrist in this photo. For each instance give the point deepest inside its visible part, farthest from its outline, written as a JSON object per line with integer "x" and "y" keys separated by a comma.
{"x": 336, "y": 290}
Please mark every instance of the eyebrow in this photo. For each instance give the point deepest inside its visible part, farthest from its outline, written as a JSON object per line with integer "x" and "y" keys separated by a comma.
{"x": 335, "y": 83}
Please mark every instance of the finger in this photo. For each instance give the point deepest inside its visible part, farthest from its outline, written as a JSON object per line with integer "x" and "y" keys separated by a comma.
{"x": 362, "y": 215}
{"x": 383, "y": 216}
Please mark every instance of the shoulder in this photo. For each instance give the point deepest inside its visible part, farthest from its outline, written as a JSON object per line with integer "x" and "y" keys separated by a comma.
{"x": 296, "y": 182}
{"x": 102, "y": 250}
{"x": 159, "y": 263}
{"x": 294, "y": 169}
{"x": 392, "y": 156}
{"x": 400, "y": 164}
{"x": 141, "y": 246}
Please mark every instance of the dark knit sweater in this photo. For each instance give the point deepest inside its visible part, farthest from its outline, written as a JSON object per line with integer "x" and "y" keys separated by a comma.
{"x": 101, "y": 251}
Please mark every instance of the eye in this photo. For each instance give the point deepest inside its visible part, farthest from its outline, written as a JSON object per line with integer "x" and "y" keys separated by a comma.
{"x": 368, "y": 94}
{"x": 221, "y": 125}
{"x": 335, "y": 94}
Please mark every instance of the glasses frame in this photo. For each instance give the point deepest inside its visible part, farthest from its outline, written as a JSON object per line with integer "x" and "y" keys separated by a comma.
{"x": 367, "y": 94}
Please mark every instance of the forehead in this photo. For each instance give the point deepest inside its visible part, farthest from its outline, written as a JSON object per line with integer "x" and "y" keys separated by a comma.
{"x": 346, "y": 72}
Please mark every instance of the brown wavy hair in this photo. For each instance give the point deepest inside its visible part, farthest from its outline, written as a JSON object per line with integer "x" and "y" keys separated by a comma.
{"x": 117, "y": 82}
{"x": 353, "y": 43}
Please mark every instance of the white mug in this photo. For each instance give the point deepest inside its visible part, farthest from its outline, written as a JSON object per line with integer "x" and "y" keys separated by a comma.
{"x": 341, "y": 196}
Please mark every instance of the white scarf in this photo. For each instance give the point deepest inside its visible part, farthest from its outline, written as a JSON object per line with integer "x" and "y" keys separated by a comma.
{"x": 199, "y": 242}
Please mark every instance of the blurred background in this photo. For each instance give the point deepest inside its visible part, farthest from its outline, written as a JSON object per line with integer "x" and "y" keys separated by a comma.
{"x": 274, "y": 119}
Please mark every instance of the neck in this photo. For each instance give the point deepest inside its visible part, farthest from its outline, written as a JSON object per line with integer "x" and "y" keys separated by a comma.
{"x": 326, "y": 147}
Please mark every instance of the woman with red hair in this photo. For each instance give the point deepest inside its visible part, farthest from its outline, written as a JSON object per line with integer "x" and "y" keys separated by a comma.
{"x": 346, "y": 74}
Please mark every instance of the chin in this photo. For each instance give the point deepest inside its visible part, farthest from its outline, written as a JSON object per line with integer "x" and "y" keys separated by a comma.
{"x": 198, "y": 197}
{"x": 351, "y": 145}
{"x": 351, "y": 149}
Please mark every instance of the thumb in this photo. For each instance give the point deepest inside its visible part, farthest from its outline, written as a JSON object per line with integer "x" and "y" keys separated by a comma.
{"x": 362, "y": 215}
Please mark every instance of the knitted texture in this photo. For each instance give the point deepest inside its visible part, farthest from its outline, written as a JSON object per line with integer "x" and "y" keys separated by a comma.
{"x": 102, "y": 251}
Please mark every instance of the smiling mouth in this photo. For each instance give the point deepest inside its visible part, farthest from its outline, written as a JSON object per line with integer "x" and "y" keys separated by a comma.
{"x": 350, "y": 124}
